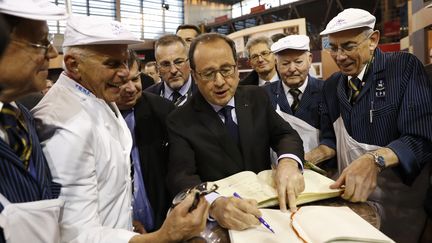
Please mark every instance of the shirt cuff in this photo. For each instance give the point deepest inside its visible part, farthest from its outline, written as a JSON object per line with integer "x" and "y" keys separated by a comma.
{"x": 294, "y": 157}
{"x": 210, "y": 198}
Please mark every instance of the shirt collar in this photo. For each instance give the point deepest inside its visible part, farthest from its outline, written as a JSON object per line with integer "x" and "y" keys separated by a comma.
{"x": 273, "y": 79}
{"x": 302, "y": 88}
{"x": 361, "y": 74}
{"x": 217, "y": 108}
{"x": 183, "y": 90}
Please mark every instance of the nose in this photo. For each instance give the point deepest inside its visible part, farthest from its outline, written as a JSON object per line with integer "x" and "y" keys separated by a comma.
{"x": 52, "y": 52}
{"x": 123, "y": 71}
{"x": 128, "y": 86}
{"x": 219, "y": 80}
{"x": 260, "y": 58}
{"x": 291, "y": 67}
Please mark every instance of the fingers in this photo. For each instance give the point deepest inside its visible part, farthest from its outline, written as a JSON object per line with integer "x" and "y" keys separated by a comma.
{"x": 234, "y": 213}
{"x": 339, "y": 182}
{"x": 282, "y": 196}
{"x": 292, "y": 200}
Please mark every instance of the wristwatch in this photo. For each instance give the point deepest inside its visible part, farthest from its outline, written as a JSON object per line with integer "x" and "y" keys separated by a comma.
{"x": 379, "y": 161}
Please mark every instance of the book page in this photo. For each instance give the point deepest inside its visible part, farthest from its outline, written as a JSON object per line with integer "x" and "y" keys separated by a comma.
{"x": 314, "y": 224}
{"x": 247, "y": 185}
{"x": 329, "y": 224}
{"x": 279, "y": 222}
{"x": 317, "y": 186}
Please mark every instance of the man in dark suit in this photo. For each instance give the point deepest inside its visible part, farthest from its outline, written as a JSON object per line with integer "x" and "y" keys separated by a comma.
{"x": 171, "y": 57}
{"x": 377, "y": 114}
{"x": 262, "y": 60}
{"x": 188, "y": 32}
{"x": 145, "y": 115}
{"x": 297, "y": 94}
{"x": 224, "y": 130}
{"x": 25, "y": 176}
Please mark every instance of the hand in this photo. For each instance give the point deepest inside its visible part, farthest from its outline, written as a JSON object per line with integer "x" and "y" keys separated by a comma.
{"x": 181, "y": 225}
{"x": 138, "y": 227}
{"x": 359, "y": 178}
{"x": 235, "y": 213}
{"x": 289, "y": 183}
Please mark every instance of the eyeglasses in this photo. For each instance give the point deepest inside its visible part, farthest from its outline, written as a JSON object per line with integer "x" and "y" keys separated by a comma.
{"x": 225, "y": 71}
{"x": 263, "y": 54}
{"x": 346, "y": 49}
{"x": 202, "y": 189}
{"x": 165, "y": 66}
{"x": 45, "y": 46}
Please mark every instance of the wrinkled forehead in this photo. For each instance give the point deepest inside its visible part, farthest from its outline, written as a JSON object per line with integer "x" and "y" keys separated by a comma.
{"x": 115, "y": 51}
{"x": 345, "y": 36}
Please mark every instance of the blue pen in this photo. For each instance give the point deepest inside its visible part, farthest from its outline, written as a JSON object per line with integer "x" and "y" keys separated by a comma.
{"x": 259, "y": 218}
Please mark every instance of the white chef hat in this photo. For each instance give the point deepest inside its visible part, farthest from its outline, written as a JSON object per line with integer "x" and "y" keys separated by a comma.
{"x": 32, "y": 9}
{"x": 91, "y": 30}
{"x": 351, "y": 18}
{"x": 294, "y": 42}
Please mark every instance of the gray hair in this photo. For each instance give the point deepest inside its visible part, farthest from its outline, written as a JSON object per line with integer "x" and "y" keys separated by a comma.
{"x": 258, "y": 40}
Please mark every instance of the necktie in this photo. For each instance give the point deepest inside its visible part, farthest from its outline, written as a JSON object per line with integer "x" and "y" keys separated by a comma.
{"x": 354, "y": 85}
{"x": 176, "y": 97}
{"x": 295, "y": 94}
{"x": 230, "y": 125}
{"x": 18, "y": 137}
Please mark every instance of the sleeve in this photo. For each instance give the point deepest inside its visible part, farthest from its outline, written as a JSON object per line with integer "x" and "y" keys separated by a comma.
{"x": 71, "y": 157}
{"x": 327, "y": 135}
{"x": 414, "y": 145}
{"x": 182, "y": 171}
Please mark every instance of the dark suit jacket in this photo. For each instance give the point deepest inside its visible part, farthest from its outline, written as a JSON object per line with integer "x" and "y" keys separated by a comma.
{"x": 401, "y": 115}
{"x": 16, "y": 183}
{"x": 152, "y": 142}
{"x": 202, "y": 150}
{"x": 310, "y": 103}
{"x": 158, "y": 88}
{"x": 251, "y": 79}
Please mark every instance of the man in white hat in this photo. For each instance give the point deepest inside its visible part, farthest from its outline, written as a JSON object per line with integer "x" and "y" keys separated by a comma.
{"x": 378, "y": 116}
{"x": 297, "y": 96}
{"x": 262, "y": 60}
{"x": 88, "y": 144}
{"x": 27, "y": 191}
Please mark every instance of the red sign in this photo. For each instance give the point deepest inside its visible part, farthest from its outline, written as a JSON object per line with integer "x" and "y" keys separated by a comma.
{"x": 392, "y": 28}
{"x": 221, "y": 19}
{"x": 257, "y": 9}
{"x": 389, "y": 47}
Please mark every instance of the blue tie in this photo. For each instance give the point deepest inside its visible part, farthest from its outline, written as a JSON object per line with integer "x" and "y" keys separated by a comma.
{"x": 142, "y": 210}
{"x": 230, "y": 125}
{"x": 18, "y": 137}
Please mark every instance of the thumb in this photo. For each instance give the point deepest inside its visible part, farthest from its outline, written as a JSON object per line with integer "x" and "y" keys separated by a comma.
{"x": 339, "y": 182}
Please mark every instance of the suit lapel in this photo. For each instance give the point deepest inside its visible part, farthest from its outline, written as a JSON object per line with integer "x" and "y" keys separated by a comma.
{"x": 210, "y": 119}
{"x": 307, "y": 98}
{"x": 342, "y": 94}
{"x": 282, "y": 100}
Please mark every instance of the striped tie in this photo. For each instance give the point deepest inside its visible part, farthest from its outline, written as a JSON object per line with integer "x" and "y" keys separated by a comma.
{"x": 354, "y": 84}
{"x": 18, "y": 137}
{"x": 295, "y": 94}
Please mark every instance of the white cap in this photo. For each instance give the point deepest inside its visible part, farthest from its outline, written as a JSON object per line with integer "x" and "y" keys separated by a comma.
{"x": 91, "y": 30}
{"x": 32, "y": 9}
{"x": 294, "y": 42}
{"x": 429, "y": 6}
{"x": 351, "y": 18}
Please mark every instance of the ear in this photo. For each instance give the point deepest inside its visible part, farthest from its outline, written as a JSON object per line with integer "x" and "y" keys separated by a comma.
{"x": 374, "y": 40}
{"x": 72, "y": 66}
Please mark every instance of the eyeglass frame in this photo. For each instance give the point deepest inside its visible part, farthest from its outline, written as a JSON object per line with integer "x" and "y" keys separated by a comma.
{"x": 46, "y": 48}
{"x": 344, "y": 50}
{"x": 200, "y": 189}
{"x": 167, "y": 65}
{"x": 263, "y": 54}
{"x": 213, "y": 73}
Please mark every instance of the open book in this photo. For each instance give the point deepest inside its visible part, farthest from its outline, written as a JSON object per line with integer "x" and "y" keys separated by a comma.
{"x": 261, "y": 187}
{"x": 312, "y": 224}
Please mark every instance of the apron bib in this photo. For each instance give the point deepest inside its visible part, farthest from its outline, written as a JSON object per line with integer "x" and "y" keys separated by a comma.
{"x": 400, "y": 206}
{"x": 36, "y": 221}
{"x": 308, "y": 133}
